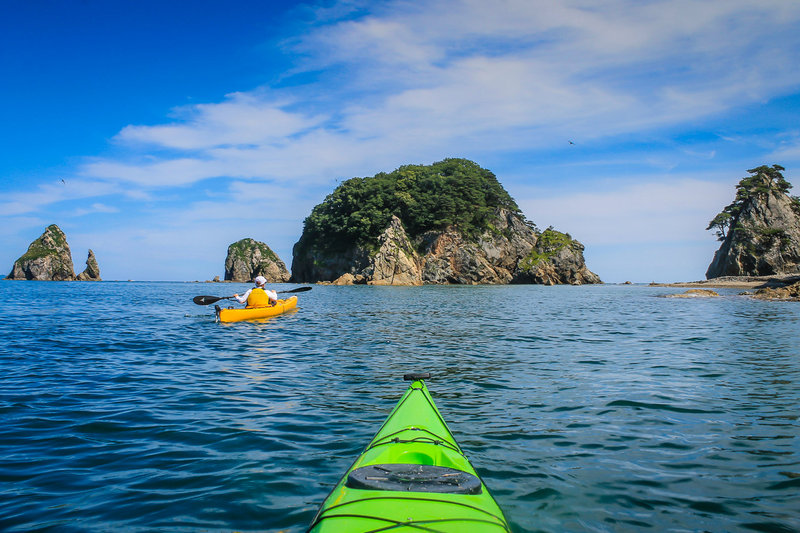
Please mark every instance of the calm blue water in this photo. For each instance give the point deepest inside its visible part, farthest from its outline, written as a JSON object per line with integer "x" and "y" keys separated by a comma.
{"x": 124, "y": 407}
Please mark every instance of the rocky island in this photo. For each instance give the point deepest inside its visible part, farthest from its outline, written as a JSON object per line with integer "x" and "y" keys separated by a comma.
{"x": 49, "y": 259}
{"x": 449, "y": 222}
{"x": 759, "y": 230}
{"x": 248, "y": 258}
{"x": 760, "y": 235}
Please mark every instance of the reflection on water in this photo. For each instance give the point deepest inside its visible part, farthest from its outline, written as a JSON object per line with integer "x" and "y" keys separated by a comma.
{"x": 584, "y": 408}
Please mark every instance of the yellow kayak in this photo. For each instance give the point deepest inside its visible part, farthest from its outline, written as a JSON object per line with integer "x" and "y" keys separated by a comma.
{"x": 236, "y": 314}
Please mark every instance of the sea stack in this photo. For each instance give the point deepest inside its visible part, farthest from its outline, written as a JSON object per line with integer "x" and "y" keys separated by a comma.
{"x": 249, "y": 258}
{"x": 447, "y": 223}
{"x": 760, "y": 230}
{"x": 48, "y": 259}
{"x": 92, "y": 271}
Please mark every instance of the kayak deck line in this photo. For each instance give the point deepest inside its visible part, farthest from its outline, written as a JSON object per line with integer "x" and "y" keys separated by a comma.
{"x": 498, "y": 520}
{"x": 428, "y": 440}
{"x": 411, "y": 476}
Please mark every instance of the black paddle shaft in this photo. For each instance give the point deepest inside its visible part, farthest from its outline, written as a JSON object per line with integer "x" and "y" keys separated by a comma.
{"x": 206, "y": 300}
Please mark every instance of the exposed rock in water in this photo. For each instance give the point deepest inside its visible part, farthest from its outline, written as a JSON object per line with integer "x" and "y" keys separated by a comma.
{"x": 760, "y": 230}
{"x": 695, "y": 293}
{"x": 789, "y": 293}
{"x": 92, "y": 271}
{"x": 348, "y": 279}
{"x": 249, "y": 258}
{"x": 510, "y": 253}
{"x": 48, "y": 259}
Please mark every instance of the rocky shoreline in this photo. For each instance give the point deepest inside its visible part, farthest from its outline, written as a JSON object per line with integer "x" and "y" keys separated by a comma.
{"x": 738, "y": 282}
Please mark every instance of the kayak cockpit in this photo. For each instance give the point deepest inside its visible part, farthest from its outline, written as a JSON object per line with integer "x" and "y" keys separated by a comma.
{"x": 414, "y": 478}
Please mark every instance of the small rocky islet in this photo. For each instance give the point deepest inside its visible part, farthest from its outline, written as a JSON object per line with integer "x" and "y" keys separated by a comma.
{"x": 49, "y": 259}
{"x": 248, "y": 258}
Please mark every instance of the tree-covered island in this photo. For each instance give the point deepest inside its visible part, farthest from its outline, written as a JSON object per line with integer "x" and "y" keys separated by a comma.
{"x": 449, "y": 222}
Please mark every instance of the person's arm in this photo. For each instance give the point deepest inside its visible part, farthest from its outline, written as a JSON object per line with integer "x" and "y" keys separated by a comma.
{"x": 243, "y": 298}
{"x": 272, "y": 295}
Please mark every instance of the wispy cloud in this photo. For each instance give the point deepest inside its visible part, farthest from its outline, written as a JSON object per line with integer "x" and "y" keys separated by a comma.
{"x": 24, "y": 202}
{"x": 788, "y": 148}
{"x": 242, "y": 119}
{"x": 423, "y": 79}
{"x": 96, "y": 207}
{"x": 634, "y": 213}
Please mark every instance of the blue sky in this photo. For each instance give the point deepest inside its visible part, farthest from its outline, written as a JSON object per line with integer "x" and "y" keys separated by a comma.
{"x": 180, "y": 127}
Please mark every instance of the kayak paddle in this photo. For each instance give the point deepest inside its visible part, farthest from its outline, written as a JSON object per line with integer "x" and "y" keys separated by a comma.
{"x": 206, "y": 300}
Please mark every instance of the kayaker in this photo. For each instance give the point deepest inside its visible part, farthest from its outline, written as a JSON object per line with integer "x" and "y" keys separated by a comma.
{"x": 258, "y": 296}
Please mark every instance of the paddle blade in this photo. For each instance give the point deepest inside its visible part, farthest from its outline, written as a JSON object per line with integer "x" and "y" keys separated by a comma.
{"x": 299, "y": 289}
{"x": 205, "y": 300}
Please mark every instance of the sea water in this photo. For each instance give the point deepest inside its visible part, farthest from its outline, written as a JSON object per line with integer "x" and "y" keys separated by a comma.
{"x": 125, "y": 407}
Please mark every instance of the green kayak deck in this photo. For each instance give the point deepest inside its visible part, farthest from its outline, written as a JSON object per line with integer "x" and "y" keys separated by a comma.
{"x": 412, "y": 476}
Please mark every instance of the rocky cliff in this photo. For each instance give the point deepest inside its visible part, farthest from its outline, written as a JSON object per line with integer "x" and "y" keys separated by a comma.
{"x": 92, "y": 270}
{"x": 760, "y": 230}
{"x": 448, "y": 257}
{"x": 48, "y": 258}
{"x": 450, "y": 222}
{"x": 249, "y": 258}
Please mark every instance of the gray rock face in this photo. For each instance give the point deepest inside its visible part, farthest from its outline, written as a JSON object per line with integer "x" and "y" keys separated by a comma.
{"x": 92, "y": 271}
{"x": 48, "y": 259}
{"x": 556, "y": 265}
{"x": 511, "y": 252}
{"x": 764, "y": 239}
{"x": 395, "y": 262}
{"x": 249, "y": 258}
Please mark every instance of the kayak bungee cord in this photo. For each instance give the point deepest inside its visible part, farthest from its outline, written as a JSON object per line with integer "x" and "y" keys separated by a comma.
{"x": 437, "y": 440}
{"x": 497, "y": 519}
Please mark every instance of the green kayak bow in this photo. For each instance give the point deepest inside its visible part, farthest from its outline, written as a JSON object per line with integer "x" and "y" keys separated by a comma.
{"x": 412, "y": 476}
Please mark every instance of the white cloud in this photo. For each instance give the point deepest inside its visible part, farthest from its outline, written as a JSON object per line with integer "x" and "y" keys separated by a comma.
{"x": 243, "y": 119}
{"x": 163, "y": 173}
{"x": 788, "y": 150}
{"x": 655, "y": 213}
{"x": 96, "y": 207}
{"x": 19, "y": 203}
